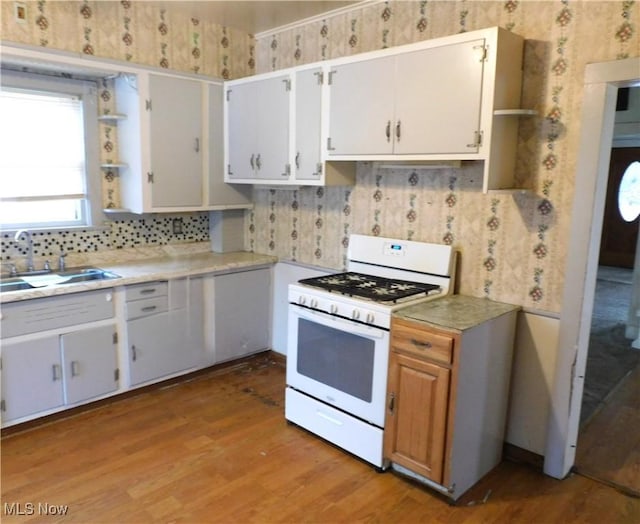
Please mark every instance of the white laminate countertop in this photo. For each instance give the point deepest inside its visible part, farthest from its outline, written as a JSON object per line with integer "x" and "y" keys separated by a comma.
{"x": 455, "y": 312}
{"x": 156, "y": 268}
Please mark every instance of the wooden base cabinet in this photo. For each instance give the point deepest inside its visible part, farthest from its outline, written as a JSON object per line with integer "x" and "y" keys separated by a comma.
{"x": 447, "y": 396}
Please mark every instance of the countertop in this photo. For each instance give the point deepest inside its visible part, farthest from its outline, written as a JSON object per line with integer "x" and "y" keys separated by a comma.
{"x": 455, "y": 312}
{"x": 163, "y": 267}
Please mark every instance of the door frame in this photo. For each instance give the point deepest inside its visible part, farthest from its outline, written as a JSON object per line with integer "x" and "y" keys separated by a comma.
{"x": 602, "y": 81}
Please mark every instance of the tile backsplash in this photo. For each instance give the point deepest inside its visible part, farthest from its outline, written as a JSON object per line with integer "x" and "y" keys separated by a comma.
{"x": 129, "y": 232}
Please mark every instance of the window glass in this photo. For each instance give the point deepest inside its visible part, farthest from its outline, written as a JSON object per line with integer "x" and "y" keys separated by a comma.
{"x": 629, "y": 193}
{"x": 43, "y": 152}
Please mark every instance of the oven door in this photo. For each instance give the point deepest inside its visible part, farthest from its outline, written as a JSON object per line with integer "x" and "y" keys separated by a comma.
{"x": 339, "y": 362}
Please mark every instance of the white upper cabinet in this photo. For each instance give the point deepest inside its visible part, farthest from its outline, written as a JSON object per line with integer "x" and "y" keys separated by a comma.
{"x": 361, "y": 110}
{"x": 257, "y": 140}
{"x": 308, "y": 118}
{"x": 442, "y": 99}
{"x": 415, "y": 103}
{"x": 437, "y": 99}
{"x": 170, "y": 145}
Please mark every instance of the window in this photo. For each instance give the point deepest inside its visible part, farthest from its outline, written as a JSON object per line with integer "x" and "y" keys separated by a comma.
{"x": 48, "y": 152}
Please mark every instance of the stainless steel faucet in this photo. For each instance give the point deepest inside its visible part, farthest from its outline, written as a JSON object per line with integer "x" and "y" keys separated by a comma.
{"x": 27, "y": 235}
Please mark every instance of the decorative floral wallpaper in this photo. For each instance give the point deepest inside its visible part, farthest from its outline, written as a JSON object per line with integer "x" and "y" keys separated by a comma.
{"x": 512, "y": 248}
{"x": 150, "y": 33}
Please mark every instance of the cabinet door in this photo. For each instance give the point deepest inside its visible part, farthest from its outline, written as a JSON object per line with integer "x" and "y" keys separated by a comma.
{"x": 155, "y": 345}
{"x": 31, "y": 377}
{"x": 272, "y": 158}
{"x": 90, "y": 363}
{"x": 437, "y": 98}
{"x": 415, "y": 425}
{"x": 241, "y": 313}
{"x": 308, "y": 124}
{"x": 361, "y": 108}
{"x": 219, "y": 192}
{"x": 175, "y": 141}
{"x": 242, "y": 115}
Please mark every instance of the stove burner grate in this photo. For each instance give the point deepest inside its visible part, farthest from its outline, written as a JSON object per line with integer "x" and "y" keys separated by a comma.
{"x": 375, "y": 288}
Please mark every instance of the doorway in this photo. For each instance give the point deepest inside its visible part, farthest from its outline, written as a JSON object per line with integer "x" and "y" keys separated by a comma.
{"x": 601, "y": 84}
{"x": 610, "y": 414}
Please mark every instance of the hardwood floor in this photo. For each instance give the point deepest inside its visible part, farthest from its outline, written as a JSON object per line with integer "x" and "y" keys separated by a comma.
{"x": 609, "y": 447}
{"x": 217, "y": 449}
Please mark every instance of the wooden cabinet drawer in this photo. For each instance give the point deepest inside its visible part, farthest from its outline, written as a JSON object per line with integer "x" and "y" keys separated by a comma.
{"x": 147, "y": 290}
{"x": 420, "y": 342}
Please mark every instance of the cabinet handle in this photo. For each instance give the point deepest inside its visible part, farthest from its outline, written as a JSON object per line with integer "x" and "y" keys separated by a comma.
{"x": 197, "y": 145}
{"x": 252, "y": 161}
{"x": 74, "y": 368}
{"x": 258, "y": 162}
{"x": 134, "y": 355}
{"x": 298, "y": 160}
{"x": 148, "y": 308}
{"x": 420, "y": 344}
{"x": 55, "y": 368}
{"x": 387, "y": 131}
{"x": 148, "y": 291}
{"x": 392, "y": 402}
{"x": 398, "y": 125}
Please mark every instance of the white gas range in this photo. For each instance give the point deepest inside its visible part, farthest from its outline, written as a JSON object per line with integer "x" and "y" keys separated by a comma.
{"x": 338, "y": 340}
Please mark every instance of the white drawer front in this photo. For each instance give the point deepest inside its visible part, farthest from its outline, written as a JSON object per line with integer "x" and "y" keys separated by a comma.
{"x": 357, "y": 437}
{"x": 41, "y": 314}
{"x": 147, "y": 307}
{"x": 148, "y": 290}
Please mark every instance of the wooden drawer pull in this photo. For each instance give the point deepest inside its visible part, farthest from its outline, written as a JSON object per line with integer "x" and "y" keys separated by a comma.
{"x": 420, "y": 344}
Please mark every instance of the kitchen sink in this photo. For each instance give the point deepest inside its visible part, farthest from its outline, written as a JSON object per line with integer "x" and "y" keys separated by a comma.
{"x": 13, "y": 284}
{"x": 39, "y": 279}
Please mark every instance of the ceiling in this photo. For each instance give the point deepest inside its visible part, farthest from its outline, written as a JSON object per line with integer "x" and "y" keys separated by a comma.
{"x": 255, "y": 16}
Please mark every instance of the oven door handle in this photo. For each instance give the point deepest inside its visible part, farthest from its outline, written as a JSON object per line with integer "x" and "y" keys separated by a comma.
{"x": 338, "y": 323}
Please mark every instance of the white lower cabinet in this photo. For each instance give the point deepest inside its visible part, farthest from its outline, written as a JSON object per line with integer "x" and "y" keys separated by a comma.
{"x": 164, "y": 328}
{"x": 90, "y": 363}
{"x": 241, "y": 313}
{"x": 57, "y": 370}
{"x": 31, "y": 377}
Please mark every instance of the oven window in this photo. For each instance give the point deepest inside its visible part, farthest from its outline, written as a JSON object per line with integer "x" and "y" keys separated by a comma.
{"x": 338, "y": 359}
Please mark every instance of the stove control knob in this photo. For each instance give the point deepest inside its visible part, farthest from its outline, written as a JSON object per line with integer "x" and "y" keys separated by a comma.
{"x": 370, "y": 318}
{"x": 355, "y": 314}
{"x": 313, "y": 303}
{"x": 333, "y": 309}
{"x": 302, "y": 300}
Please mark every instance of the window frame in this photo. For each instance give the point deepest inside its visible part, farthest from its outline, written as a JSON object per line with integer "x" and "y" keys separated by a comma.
{"x": 87, "y": 91}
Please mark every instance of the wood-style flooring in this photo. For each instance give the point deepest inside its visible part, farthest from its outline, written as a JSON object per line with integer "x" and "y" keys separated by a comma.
{"x": 218, "y": 449}
{"x": 609, "y": 446}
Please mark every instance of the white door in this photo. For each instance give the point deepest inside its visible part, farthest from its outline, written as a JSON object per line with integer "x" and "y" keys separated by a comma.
{"x": 438, "y": 95}
{"x": 31, "y": 377}
{"x": 242, "y": 105}
{"x": 156, "y": 345}
{"x": 361, "y": 108}
{"x": 176, "y": 135}
{"x": 90, "y": 363}
{"x": 308, "y": 124}
{"x": 241, "y": 313}
{"x": 272, "y": 156}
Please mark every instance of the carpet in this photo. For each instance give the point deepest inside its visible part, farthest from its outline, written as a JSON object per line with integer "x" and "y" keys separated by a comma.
{"x": 610, "y": 356}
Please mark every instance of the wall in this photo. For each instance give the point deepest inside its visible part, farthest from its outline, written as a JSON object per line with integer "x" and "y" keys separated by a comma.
{"x": 149, "y": 33}
{"x": 512, "y": 249}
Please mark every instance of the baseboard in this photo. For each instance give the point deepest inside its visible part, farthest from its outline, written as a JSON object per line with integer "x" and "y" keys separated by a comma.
{"x": 522, "y": 456}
